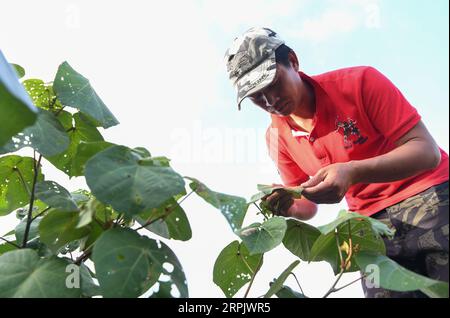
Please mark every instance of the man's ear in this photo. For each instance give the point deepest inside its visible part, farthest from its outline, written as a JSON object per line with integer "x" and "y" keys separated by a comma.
{"x": 293, "y": 60}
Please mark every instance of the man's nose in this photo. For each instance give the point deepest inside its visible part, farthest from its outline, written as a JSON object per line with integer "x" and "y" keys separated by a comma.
{"x": 270, "y": 98}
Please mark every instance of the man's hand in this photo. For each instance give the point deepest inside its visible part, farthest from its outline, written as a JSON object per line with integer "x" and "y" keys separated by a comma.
{"x": 282, "y": 202}
{"x": 279, "y": 202}
{"x": 330, "y": 183}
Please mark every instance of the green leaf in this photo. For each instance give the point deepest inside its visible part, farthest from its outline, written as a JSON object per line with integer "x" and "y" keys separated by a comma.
{"x": 287, "y": 292}
{"x": 41, "y": 94}
{"x": 278, "y": 284}
{"x": 235, "y": 267}
{"x": 116, "y": 176}
{"x": 47, "y": 136}
{"x": 14, "y": 193}
{"x": 58, "y": 228}
{"x": 266, "y": 189}
{"x": 261, "y": 238}
{"x": 364, "y": 238}
{"x": 128, "y": 264}
{"x": 378, "y": 227}
{"x": 232, "y": 207}
{"x": 6, "y": 247}
{"x": 24, "y": 274}
{"x": 16, "y": 108}
{"x": 82, "y": 129}
{"x": 395, "y": 277}
{"x": 88, "y": 286}
{"x": 300, "y": 238}
{"x": 74, "y": 90}
{"x": 173, "y": 226}
{"x": 55, "y": 196}
{"x": 20, "y": 71}
{"x": 84, "y": 152}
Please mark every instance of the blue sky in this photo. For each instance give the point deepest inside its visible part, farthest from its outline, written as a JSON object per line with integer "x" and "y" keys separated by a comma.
{"x": 158, "y": 66}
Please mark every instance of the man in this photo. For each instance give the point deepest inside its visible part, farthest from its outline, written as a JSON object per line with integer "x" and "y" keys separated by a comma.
{"x": 351, "y": 133}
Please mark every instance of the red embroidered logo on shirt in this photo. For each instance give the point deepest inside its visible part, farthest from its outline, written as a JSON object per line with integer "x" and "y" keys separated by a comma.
{"x": 352, "y": 135}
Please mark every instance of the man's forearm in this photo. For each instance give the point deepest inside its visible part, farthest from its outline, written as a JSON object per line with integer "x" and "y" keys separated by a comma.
{"x": 404, "y": 161}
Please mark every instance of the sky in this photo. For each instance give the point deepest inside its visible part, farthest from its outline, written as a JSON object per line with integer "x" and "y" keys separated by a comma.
{"x": 158, "y": 66}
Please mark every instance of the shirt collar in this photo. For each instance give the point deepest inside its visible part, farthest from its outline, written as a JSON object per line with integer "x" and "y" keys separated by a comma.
{"x": 324, "y": 112}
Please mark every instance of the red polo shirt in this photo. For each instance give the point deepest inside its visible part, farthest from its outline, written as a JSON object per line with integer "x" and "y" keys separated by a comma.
{"x": 359, "y": 115}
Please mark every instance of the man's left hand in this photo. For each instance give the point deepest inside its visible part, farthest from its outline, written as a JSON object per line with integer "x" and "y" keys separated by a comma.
{"x": 330, "y": 183}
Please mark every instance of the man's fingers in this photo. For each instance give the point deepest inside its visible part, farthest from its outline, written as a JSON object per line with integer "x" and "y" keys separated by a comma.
{"x": 315, "y": 180}
{"x": 317, "y": 189}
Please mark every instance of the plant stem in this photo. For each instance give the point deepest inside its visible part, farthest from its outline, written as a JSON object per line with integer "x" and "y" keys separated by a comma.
{"x": 253, "y": 278}
{"x": 264, "y": 215}
{"x": 9, "y": 242}
{"x": 38, "y": 215}
{"x": 336, "y": 235}
{"x": 298, "y": 283}
{"x": 150, "y": 221}
{"x": 347, "y": 260}
{"x": 346, "y": 285}
{"x": 59, "y": 111}
{"x": 30, "y": 209}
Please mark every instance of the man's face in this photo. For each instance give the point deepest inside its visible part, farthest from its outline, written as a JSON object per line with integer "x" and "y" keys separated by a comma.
{"x": 282, "y": 95}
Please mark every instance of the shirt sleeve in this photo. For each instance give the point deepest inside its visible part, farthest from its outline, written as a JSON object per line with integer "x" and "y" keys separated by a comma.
{"x": 291, "y": 174}
{"x": 388, "y": 110}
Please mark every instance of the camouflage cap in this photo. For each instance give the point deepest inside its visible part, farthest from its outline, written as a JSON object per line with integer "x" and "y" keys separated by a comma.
{"x": 250, "y": 60}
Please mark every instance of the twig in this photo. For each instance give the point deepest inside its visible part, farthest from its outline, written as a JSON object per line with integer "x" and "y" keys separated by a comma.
{"x": 352, "y": 282}
{"x": 40, "y": 213}
{"x": 150, "y": 221}
{"x": 298, "y": 283}
{"x": 9, "y": 242}
{"x": 59, "y": 111}
{"x": 264, "y": 215}
{"x": 30, "y": 209}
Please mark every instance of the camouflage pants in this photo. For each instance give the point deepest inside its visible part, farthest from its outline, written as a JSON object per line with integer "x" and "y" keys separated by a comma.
{"x": 421, "y": 237}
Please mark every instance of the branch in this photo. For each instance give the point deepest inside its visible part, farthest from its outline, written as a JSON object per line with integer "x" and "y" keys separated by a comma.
{"x": 346, "y": 285}
{"x": 261, "y": 211}
{"x": 30, "y": 209}
{"x": 9, "y": 242}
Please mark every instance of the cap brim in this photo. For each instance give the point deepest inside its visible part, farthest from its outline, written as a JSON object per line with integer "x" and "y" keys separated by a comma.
{"x": 256, "y": 79}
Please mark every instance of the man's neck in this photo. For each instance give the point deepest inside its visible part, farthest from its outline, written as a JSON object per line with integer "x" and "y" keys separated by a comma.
{"x": 302, "y": 117}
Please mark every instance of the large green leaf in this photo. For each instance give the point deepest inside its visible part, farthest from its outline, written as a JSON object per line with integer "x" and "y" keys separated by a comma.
{"x": 364, "y": 238}
{"x": 24, "y": 274}
{"x": 88, "y": 287}
{"x": 47, "y": 136}
{"x": 16, "y": 109}
{"x": 235, "y": 267}
{"x": 395, "y": 277}
{"x": 378, "y": 227}
{"x": 14, "y": 193}
{"x": 261, "y": 238}
{"x": 232, "y": 207}
{"x": 59, "y": 228}
{"x": 74, "y": 90}
{"x": 6, "y": 247}
{"x": 172, "y": 221}
{"x": 129, "y": 182}
{"x": 80, "y": 129}
{"x": 300, "y": 238}
{"x": 278, "y": 284}
{"x": 55, "y": 195}
{"x": 84, "y": 152}
{"x": 128, "y": 264}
